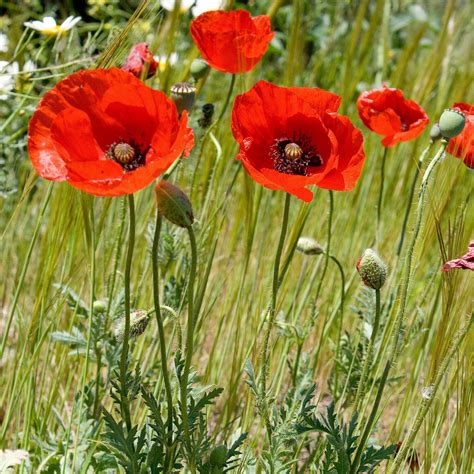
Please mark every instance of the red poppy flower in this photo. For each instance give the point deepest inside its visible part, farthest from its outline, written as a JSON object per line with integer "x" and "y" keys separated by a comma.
{"x": 292, "y": 137}
{"x": 106, "y": 132}
{"x": 140, "y": 57}
{"x": 386, "y": 111}
{"x": 466, "y": 262}
{"x": 232, "y": 41}
{"x": 462, "y": 146}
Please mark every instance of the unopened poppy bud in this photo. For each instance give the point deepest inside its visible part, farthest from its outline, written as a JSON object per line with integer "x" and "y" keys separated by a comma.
{"x": 218, "y": 456}
{"x": 451, "y": 123}
{"x": 139, "y": 60}
{"x": 198, "y": 69}
{"x": 173, "y": 204}
{"x": 99, "y": 306}
{"x": 207, "y": 114}
{"x": 183, "y": 95}
{"x": 435, "y": 133}
{"x": 138, "y": 322}
{"x": 309, "y": 246}
{"x": 372, "y": 269}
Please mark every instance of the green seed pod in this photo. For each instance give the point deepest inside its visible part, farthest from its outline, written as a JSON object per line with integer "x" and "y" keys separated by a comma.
{"x": 218, "y": 456}
{"x": 198, "y": 69}
{"x": 451, "y": 123}
{"x": 138, "y": 323}
{"x": 99, "y": 306}
{"x": 173, "y": 204}
{"x": 183, "y": 95}
{"x": 309, "y": 246}
{"x": 435, "y": 133}
{"x": 372, "y": 269}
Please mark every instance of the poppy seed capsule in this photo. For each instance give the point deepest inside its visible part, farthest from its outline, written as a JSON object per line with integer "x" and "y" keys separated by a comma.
{"x": 183, "y": 95}
{"x": 372, "y": 269}
{"x": 123, "y": 152}
{"x": 218, "y": 456}
{"x": 198, "y": 69}
{"x": 309, "y": 246}
{"x": 138, "y": 323}
{"x": 451, "y": 123}
{"x": 173, "y": 204}
{"x": 293, "y": 151}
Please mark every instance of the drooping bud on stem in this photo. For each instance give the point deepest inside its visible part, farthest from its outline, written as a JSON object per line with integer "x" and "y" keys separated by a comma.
{"x": 138, "y": 323}
{"x": 372, "y": 269}
{"x": 451, "y": 123}
{"x": 183, "y": 95}
{"x": 435, "y": 133}
{"x": 309, "y": 246}
{"x": 174, "y": 204}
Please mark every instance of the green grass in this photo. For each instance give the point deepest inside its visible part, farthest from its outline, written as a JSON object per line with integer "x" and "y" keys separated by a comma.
{"x": 53, "y": 235}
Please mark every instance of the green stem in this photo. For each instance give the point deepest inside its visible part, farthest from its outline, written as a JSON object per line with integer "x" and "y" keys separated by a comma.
{"x": 26, "y": 264}
{"x": 381, "y": 189}
{"x": 189, "y": 337}
{"x": 161, "y": 330}
{"x": 426, "y": 403}
{"x": 410, "y": 199}
{"x": 272, "y": 309}
{"x": 403, "y": 301}
{"x": 368, "y": 357}
{"x": 341, "y": 318}
{"x": 126, "y": 334}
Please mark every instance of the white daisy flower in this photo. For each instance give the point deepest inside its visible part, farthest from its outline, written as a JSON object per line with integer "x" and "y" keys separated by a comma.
{"x": 49, "y": 26}
{"x": 170, "y": 4}
{"x": 7, "y": 78}
{"x": 203, "y": 6}
{"x": 3, "y": 43}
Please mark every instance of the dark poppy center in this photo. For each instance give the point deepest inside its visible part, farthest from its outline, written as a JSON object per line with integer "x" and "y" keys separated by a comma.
{"x": 128, "y": 155}
{"x": 294, "y": 156}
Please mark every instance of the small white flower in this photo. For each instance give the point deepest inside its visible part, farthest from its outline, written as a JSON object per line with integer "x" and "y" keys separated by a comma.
{"x": 3, "y": 43}
{"x": 170, "y": 4}
{"x": 49, "y": 26}
{"x": 203, "y": 6}
{"x": 7, "y": 77}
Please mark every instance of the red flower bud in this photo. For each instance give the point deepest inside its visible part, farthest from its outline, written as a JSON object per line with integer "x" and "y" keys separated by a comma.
{"x": 139, "y": 60}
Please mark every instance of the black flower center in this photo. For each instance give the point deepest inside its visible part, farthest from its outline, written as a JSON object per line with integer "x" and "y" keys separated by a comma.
{"x": 128, "y": 155}
{"x": 294, "y": 156}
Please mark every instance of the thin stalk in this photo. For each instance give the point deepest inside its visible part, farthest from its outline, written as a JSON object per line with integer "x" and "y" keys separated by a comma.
{"x": 159, "y": 320}
{"x": 126, "y": 334}
{"x": 403, "y": 301}
{"x": 189, "y": 337}
{"x": 381, "y": 189}
{"x": 341, "y": 318}
{"x": 426, "y": 402}
{"x": 26, "y": 264}
{"x": 410, "y": 199}
{"x": 272, "y": 310}
{"x": 368, "y": 357}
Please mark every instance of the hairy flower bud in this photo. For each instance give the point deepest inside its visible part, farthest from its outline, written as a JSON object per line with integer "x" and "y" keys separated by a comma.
{"x": 218, "y": 456}
{"x": 99, "y": 306}
{"x": 309, "y": 246}
{"x": 138, "y": 322}
{"x": 173, "y": 204}
{"x": 372, "y": 269}
{"x": 139, "y": 60}
{"x": 183, "y": 95}
{"x": 451, "y": 123}
{"x": 198, "y": 69}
